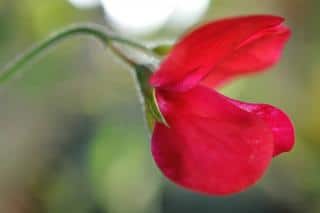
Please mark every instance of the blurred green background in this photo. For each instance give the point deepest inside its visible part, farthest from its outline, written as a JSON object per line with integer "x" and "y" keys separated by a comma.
{"x": 72, "y": 134}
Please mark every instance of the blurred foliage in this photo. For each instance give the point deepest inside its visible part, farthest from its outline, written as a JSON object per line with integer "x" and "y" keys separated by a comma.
{"x": 114, "y": 155}
{"x": 72, "y": 134}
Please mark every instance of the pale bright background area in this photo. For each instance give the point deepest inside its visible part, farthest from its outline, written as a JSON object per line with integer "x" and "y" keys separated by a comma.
{"x": 72, "y": 134}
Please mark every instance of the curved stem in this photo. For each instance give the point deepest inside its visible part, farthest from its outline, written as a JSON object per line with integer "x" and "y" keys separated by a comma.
{"x": 96, "y": 31}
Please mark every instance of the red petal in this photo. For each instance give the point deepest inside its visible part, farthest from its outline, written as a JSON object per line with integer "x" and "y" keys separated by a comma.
{"x": 281, "y": 126}
{"x": 212, "y": 146}
{"x": 258, "y": 53}
{"x": 200, "y": 51}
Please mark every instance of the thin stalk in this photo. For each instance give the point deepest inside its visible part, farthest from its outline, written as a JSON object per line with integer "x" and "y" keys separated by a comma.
{"x": 94, "y": 30}
{"x": 109, "y": 39}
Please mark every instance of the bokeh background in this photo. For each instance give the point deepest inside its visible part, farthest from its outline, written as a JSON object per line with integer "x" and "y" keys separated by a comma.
{"x": 72, "y": 134}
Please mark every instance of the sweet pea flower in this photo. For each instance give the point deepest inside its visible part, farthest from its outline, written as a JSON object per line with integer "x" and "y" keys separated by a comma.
{"x": 210, "y": 143}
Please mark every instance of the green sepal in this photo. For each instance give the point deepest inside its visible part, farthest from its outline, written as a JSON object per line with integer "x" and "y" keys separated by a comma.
{"x": 155, "y": 109}
{"x": 148, "y": 96}
{"x": 162, "y": 49}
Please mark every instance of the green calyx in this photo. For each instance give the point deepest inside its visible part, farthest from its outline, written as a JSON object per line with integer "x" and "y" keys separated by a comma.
{"x": 162, "y": 50}
{"x": 152, "y": 110}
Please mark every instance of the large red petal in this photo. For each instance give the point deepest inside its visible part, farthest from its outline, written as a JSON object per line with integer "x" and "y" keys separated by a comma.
{"x": 258, "y": 53}
{"x": 211, "y": 146}
{"x": 200, "y": 51}
{"x": 280, "y": 124}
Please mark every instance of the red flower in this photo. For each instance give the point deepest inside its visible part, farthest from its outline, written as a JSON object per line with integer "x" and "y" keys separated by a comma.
{"x": 213, "y": 144}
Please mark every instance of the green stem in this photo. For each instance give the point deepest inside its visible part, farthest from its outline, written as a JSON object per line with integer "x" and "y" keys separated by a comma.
{"x": 96, "y": 31}
{"x": 143, "y": 72}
